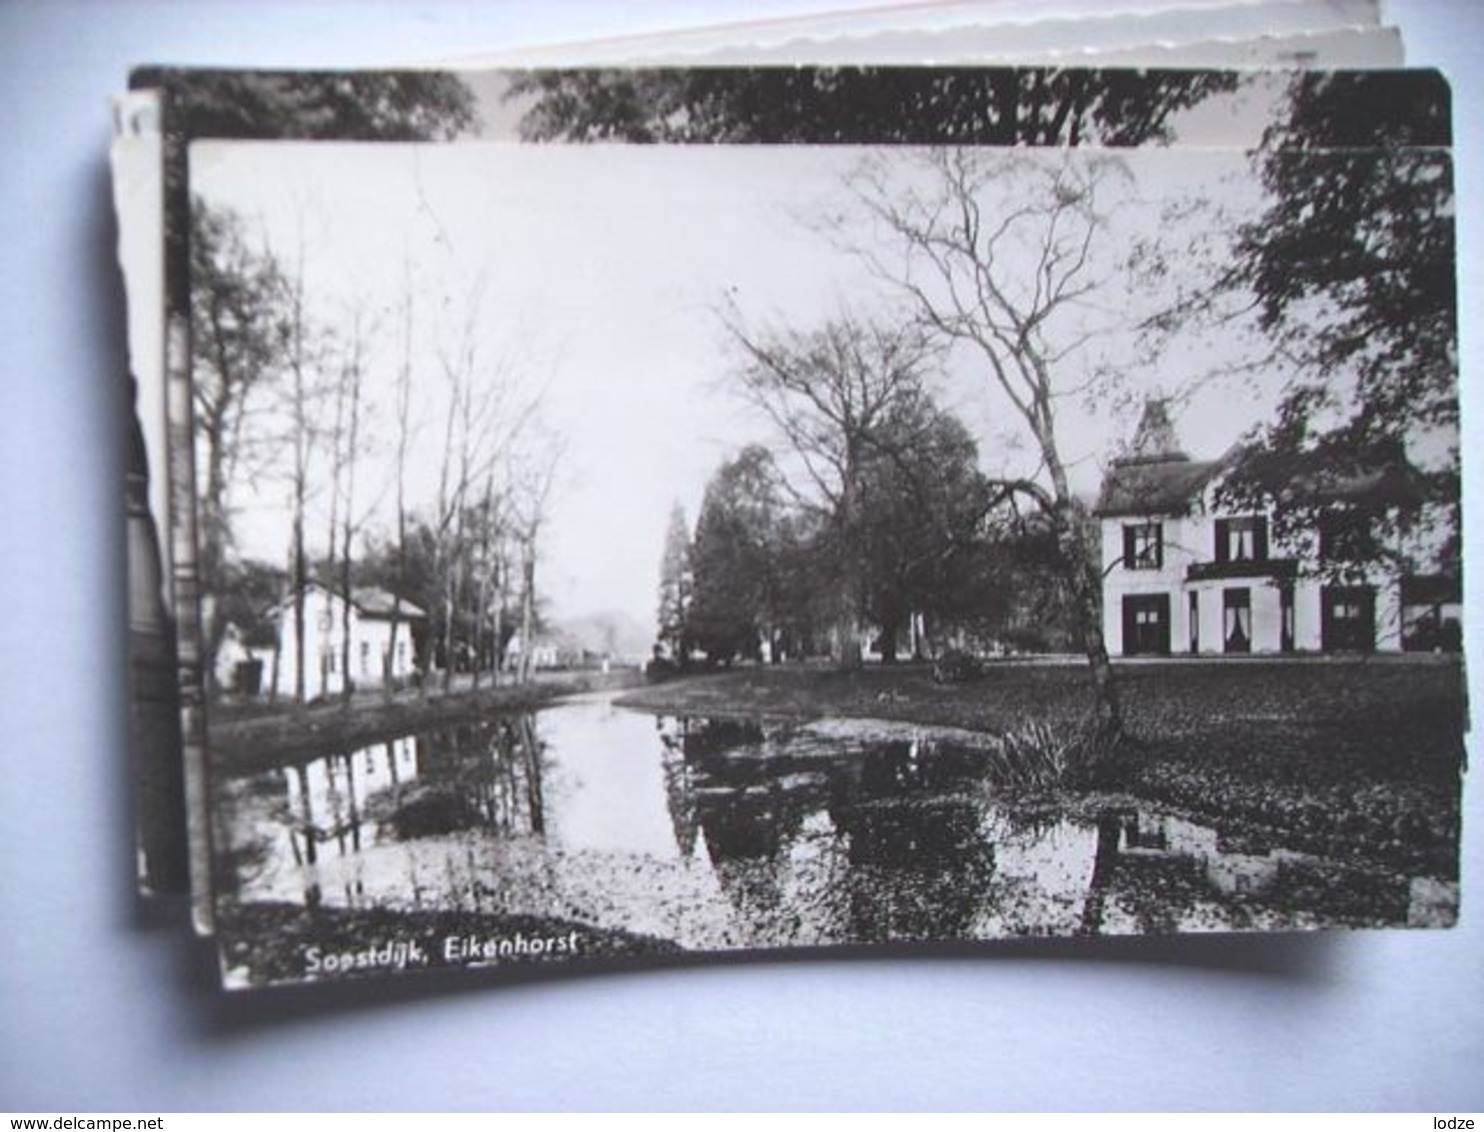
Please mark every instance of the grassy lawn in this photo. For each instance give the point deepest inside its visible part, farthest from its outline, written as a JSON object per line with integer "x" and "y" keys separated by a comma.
{"x": 1352, "y": 758}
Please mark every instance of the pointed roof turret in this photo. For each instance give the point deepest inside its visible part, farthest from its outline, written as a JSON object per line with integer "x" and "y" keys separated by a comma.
{"x": 1155, "y": 440}
{"x": 1154, "y": 476}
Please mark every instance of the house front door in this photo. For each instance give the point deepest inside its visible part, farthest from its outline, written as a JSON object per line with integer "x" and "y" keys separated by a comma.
{"x": 1348, "y": 619}
{"x": 1146, "y": 625}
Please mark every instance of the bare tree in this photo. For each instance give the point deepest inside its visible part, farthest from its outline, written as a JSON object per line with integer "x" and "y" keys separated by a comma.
{"x": 491, "y": 569}
{"x": 402, "y": 416}
{"x": 1002, "y": 256}
{"x": 339, "y": 458}
{"x": 291, "y": 423}
{"x": 533, "y": 472}
{"x": 484, "y": 417}
{"x": 295, "y": 332}
{"x": 459, "y": 438}
{"x": 351, "y": 376}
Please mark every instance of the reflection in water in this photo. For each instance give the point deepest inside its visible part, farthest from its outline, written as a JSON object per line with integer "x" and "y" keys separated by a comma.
{"x": 717, "y": 834}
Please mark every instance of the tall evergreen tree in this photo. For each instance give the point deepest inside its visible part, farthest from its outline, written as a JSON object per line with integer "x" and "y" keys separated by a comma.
{"x": 675, "y": 587}
{"x": 735, "y": 558}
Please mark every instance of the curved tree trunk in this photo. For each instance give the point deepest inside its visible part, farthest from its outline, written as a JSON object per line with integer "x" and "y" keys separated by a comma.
{"x": 1085, "y": 581}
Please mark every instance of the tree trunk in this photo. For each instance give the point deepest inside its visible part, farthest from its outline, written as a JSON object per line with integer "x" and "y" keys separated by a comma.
{"x": 502, "y": 595}
{"x": 212, "y": 557}
{"x": 1085, "y": 580}
{"x": 1105, "y": 860}
{"x": 927, "y": 643}
{"x": 277, "y": 656}
{"x": 527, "y": 609}
{"x": 448, "y": 639}
{"x": 1109, "y": 703}
{"x": 301, "y": 476}
{"x": 889, "y": 646}
{"x": 348, "y": 684}
{"x": 300, "y": 581}
{"x": 848, "y": 641}
{"x": 404, "y": 394}
{"x": 389, "y": 662}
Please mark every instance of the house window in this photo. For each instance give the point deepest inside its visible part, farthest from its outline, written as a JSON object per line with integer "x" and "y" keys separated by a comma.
{"x": 1286, "y": 618}
{"x": 1342, "y": 536}
{"x": 365, "y": 658}
{"x": 1236, "y": 620}
{"x": 1138, "y": 838}
{"x": 1243, "y": 539}
{"x": 1143, "y": 546}
{"x": 1195, "y": 622}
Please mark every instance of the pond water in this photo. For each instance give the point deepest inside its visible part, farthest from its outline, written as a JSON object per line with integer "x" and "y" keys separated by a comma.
{"x": 725, "y": 834}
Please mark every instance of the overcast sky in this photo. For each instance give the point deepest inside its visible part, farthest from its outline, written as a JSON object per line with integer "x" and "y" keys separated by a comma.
{"x": 594, "y": 275}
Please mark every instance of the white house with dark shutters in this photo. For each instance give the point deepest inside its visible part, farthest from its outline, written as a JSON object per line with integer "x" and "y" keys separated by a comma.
{"x": 1182, "y": 574}
{"x": 375, "y": 648}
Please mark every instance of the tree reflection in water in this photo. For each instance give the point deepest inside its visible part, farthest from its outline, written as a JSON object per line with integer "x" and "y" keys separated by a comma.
{"x": 727, "y": 833}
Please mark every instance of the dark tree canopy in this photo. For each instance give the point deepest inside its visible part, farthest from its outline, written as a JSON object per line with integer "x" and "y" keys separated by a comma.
{"x": 345, "y": 106}
{"x": 1364, "y": 109}
{"x": 734, "y": 556}
{"x": 861, "y": 105}
{"x": 1353, "y": 267}
{"x": 923, "y": 501}
{"x": 1363, "y": 239}
{"x": 249, "y": 593}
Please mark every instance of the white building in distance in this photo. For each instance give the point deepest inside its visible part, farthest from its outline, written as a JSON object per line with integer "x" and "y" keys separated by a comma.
{"x": 367, "y": 618}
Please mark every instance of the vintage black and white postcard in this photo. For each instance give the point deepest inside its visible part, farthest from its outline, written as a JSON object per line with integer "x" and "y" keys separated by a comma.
{"x": 166, "y": 731}
{"x": 942, "y": 510}
{"x": 151, "y": 200}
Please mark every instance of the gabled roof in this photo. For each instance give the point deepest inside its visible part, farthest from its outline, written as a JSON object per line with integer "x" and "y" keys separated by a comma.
{"x": 371, "y": 602}
{"x": 1155, "y": 477}
{"x": 1379, "y": 477}
{"x": 1143, "y": 487}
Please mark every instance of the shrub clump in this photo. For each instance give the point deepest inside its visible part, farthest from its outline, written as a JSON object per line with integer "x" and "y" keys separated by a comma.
{"x": 957, "y": 667}
{"x": 1042, "y": 755}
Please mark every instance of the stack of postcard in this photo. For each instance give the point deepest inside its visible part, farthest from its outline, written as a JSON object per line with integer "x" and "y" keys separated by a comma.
{"x": 740, "y": 499}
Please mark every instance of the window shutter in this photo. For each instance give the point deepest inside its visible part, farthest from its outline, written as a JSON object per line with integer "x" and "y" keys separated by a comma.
{"x": 1129, "y": 561}
{"x": 1260, "y": 538}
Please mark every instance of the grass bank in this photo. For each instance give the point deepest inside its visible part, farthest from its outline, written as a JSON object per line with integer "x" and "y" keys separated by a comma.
{"x": 1349, "y": 757}
{"x": 247, "y": 738}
